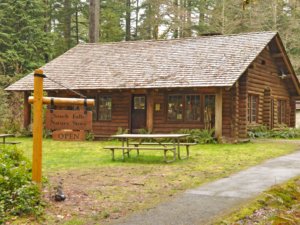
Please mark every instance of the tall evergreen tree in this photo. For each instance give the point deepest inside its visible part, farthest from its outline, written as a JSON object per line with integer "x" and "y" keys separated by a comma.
{"x": 23, "y": 40}
{"x": 112, "y": 20}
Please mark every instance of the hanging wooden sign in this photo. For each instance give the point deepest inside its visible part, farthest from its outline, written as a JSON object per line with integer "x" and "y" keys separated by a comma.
{"x": 68, "y": 119}
{"x": 68, "y": 135}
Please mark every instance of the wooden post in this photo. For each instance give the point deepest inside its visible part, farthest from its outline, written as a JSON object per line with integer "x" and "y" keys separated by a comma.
{"x": 27, "y": 111}
{"x": 64, "y": 101}
{"x": 150, "y": 112}
{"x": 218, "y": 119}
{"x": 38, "y": 100}
{"x": 37, "y": 127}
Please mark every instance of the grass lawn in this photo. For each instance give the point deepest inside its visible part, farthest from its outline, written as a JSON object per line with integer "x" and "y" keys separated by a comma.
{"x": 100, "y": 190}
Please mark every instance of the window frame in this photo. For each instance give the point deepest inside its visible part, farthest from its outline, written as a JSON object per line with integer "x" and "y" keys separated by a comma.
{"x": 250, "y": 109}
{"x": 183, "y": 96}
{"x": 98, "y": 105}
{"x": 281, "y": 111}
{"x": 185, "y": 108}
{"x": 213, "y": 115}
{"x": 167, "y": 108}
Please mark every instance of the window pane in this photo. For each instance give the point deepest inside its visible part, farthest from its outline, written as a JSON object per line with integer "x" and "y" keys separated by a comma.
{"x": 249, "y": 109}
{"x": 252, "y": 108}
{"x": 281, "y": 108}
{"x": 105, "y": 105}
{"x": 283, "y": 111}
{"x": 209, "y": 111}
{"x": 175, "y": 107}
{"x": 279, "y": 111}
{"x": 192, "y": 107}
{"x": 139, "y": 102}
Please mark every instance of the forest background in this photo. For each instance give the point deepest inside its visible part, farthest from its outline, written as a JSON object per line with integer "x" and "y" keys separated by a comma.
{"x": 33, "y": 32}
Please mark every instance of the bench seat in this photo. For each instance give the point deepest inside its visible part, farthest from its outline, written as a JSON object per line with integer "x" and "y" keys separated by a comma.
{"x": 163, "y": 148}
{"x": 186, "y": 144}
{"x": 10, "y": 143}
{"x": 169, "y": 143}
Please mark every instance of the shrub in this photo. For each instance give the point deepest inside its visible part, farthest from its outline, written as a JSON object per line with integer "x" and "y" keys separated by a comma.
{"x": 259, "y": 132}
{"x": 199, "y": 136}
{"x": 284, "y": 133}
{"x": 122, "y": 131}
{"x": 19, "y": 196}
{"x": 89, "y": 136}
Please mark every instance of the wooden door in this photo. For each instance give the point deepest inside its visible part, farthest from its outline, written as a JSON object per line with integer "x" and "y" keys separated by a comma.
{"x": 138, "y": 113}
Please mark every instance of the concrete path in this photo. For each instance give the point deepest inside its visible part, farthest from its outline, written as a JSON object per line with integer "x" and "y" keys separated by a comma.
{"x": 202, "y": 205}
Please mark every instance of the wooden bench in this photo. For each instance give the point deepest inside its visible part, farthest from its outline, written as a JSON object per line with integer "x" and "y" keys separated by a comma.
{"x": 187, "y": 145}
{"x": 138, "y": 148}
{"x": 14, "y": 143}
{"x": 10, "y": 143}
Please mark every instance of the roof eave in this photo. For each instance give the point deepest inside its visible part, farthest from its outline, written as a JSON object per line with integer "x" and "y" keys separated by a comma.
{"x": 122, "y": 88}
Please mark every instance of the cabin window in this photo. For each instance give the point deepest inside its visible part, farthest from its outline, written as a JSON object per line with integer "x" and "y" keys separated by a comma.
{"x": 281, "y": 106}
{"x": 104, "y": 107}
{"x": 192, "y": 108}
{"x": 184, "y": 108}
{"x": 209, "y": 111}
{"x": 175, "y": 107}
{"x": 139, "y": 102}
{"x": 252, "y": 108}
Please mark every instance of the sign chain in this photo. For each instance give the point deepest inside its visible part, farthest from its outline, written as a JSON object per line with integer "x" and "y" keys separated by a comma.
{"x": 64, "y": 86}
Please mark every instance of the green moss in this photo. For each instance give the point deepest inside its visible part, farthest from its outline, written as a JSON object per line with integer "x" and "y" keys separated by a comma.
{"x": 280, "y": 205}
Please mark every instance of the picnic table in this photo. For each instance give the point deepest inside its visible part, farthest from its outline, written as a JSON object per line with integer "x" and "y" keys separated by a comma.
{"x": 4, "y": 142}
{"x": 151, "y": 142}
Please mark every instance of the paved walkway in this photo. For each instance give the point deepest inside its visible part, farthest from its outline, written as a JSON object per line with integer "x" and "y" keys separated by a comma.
{"x": 202, "y": 205}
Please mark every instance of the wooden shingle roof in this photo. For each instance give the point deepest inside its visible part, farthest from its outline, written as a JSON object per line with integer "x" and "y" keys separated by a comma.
{"x": 193, "y": 62}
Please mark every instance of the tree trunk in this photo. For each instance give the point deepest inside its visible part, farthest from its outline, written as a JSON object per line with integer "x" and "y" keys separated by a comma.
{"x": 189, "y": 18}
{"x": 137, "y": 19}
{"x": 128, "y": 20}
{"x": 223, "y": 17}
{"x": 47, "y": 26}
{"x": 94, "y": 21}
{"x": 176, "y": 31}
{"x": 67, "y": 23}
{"x": 77, "y": 24}
{"x": 149, "y": 25}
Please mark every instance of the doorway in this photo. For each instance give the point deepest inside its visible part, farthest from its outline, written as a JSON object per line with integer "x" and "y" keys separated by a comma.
{"x": 138, "y": 113}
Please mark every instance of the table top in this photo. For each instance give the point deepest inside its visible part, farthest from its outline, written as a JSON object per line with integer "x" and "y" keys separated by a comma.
{"x": 6, "y": 135}
{"x": 150, "y": 135}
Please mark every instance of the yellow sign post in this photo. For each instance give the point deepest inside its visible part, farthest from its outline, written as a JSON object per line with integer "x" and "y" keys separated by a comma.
{"x": 38, "y": 100}
{"x": 37, "y": 126}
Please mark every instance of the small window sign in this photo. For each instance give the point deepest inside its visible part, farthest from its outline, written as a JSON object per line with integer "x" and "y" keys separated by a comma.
{"x": 157, "y": 107}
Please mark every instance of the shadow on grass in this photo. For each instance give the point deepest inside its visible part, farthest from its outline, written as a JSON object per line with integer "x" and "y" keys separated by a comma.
{"x": 145, "y": 159}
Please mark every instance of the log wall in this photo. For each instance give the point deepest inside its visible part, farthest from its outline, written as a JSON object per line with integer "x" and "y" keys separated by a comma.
{"x": 157, "y": 119}
{"x": 120, "y": 114}
{"x": 263, "y": 79}
{"x": 227, "y": 114}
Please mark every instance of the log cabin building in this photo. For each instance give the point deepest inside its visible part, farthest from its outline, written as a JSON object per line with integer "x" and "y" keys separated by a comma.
{"x": 226, "y": 82}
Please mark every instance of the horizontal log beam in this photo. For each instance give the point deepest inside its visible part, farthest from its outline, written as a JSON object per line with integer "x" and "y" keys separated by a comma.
{"x": 277, "y": 55}
{"x": 64, "y": 101}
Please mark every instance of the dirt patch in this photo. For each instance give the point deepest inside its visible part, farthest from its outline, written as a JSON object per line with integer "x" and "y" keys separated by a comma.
{"x": 105, "y": 194}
